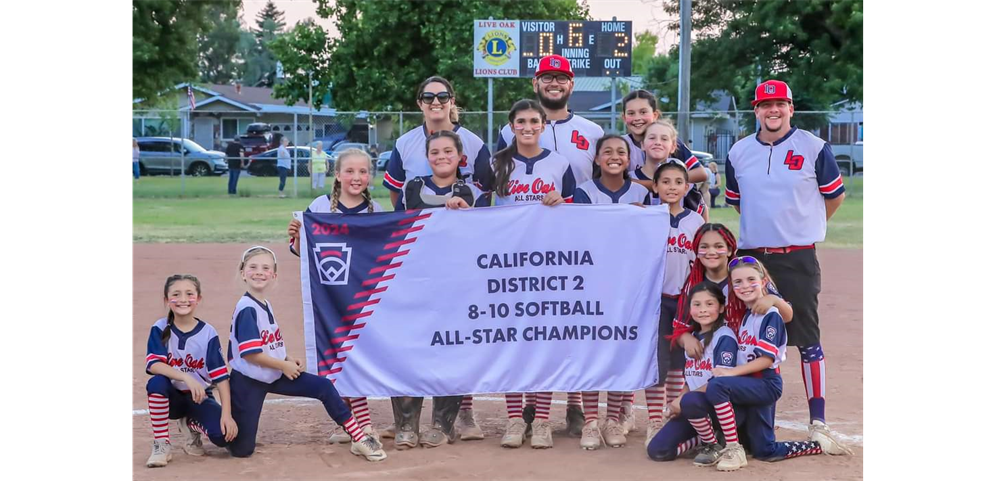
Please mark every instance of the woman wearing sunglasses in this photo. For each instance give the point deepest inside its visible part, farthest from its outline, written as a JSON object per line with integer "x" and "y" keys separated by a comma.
{"x": 437, "y": 100}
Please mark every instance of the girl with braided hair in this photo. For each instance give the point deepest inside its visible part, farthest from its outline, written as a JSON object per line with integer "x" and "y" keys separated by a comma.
{"x": 350, "y": 195}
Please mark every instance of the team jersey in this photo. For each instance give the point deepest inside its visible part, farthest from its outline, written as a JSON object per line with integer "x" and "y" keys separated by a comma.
{"x": 680, "y": 253}
{"x": 637, "y": 157}
{"x": 197, "y": 353}
{"x": 781, "y": 188}
{"x": 721, "y": 352}
{"x": 532, "y": 178}
{"x": 763, "y": 335}
{"x": 573, "y": 137}
{"x": 254, "y": 329}
{"x": 323, "y": 205}
{"x": 408, "y": 159}
{"x": 430, "y": 189}
{"x": 594, "y": 192}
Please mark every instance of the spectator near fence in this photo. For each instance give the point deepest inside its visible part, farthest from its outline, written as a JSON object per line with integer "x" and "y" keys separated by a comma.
{"x": 235, "y": 153}
{"x": 283, "y": 163}
{"x": 319, "y": 166}
{"x": 135, "y": 155}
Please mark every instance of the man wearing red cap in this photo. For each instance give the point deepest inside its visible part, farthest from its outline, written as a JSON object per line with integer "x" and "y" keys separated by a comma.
{"x": 569, "y": 135}
{"x": 786, "y": 185}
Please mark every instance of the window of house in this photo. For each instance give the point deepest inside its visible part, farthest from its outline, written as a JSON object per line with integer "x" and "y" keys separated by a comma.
{"x": 231, "y": 128}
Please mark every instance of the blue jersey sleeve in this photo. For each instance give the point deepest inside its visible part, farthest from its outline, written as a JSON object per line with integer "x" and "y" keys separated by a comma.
{"x": 581, "y": 197}
{"x": 725, "y": 351}
{"x": 393, "y": 177}
{"x": 484, "y": 177}
{"x": 686, "y": 156}
{"x": 732, "y": 185}
{"x": 483, "y": 200}
{"x": 216, "y": 368}
{"x": 827, "y": 173}
{"x": 503, "y": 142}
{"x": 569, "y": 185}
{"x": 772, "y": 334}
{"x": 481, "y": 163}
{"x": 157, "y": 351}
{"x": 247, "y": 332}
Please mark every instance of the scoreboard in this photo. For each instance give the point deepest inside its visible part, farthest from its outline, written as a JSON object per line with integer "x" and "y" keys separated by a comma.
{"x": 512, "y": 48}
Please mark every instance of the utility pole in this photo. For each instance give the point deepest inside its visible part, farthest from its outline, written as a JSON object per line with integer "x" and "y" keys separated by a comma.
{"x": 684, "y": 76}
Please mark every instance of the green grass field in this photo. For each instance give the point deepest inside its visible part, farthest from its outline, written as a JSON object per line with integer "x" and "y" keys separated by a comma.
{"x": 205, "y": 212}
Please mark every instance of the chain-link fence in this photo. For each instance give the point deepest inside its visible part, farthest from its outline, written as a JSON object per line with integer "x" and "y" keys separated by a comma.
{"x": 184, "y": 143}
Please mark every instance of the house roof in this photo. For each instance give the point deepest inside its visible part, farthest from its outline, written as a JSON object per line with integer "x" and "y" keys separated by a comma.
{"x": 251, "y": 99}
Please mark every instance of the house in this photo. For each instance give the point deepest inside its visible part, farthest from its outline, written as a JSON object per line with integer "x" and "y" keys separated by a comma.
{"x": 222, "y": 112}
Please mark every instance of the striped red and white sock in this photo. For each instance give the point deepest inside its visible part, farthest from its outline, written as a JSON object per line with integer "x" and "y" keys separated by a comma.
{"x": 655, "y": 398}
{"x": 615, "y": 404}
{"x": 467, "y": 403}
{"x": 703, "y": 426}
{"x": 573, "y": 399}
{"x": 159, "y": 413}
{"x": 543, "y": 401}
{"x": 688, "y": 445}
{"x": 354, "y": 430}
{"x": 513, "y": 401}
{"x": 632, "y": 398}
{"x": 590, "y": 406}
{"x": 361, "y": 410}
{"x": 727, "y": 420}
{"x": 674, "y": 385}
{"x": 814, "y": 375}
{"x": 196, "y": 426}
{"x": 530, "y": 399}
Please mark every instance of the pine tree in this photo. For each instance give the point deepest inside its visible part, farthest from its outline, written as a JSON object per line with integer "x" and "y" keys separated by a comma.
{"x": 260, "y": 66}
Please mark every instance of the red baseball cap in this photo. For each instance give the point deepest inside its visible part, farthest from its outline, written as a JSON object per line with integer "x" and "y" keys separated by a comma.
{"x": 771, "y": 90}
{"x": 554, "y": 63}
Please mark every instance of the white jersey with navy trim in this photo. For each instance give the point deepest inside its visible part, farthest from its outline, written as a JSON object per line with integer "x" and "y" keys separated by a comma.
{"x": 637, "y": 157}
{"x": 409, "y": 160}
{"x": 430, "y": 189}
{"x": 594, "y": 192}
{"x": 680, "y": 253}
{"x": 781, "y": 189}
{"x": 722, "y": 351}
{"x": 532, "y": 178}
{"x": 197, "y": 353}
{"x": 323, "y": 205}
{"x": 253, "y": 330}
{"x": 763, "y": 335}
{"x": 573, "y": 137}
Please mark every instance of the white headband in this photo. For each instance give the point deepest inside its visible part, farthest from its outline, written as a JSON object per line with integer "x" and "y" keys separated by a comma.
{"x": 258, "y": 247}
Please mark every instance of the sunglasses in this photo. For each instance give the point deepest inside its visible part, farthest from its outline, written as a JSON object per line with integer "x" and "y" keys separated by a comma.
{"x": 744, "y": 260}
{"x": 429, "y": 97}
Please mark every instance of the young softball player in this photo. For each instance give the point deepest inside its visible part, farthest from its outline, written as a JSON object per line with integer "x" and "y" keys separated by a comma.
{"x": 755, "y": 385}
{"x": 690, "y": 414}
{"x": 350, "y": 195}
{"x": 260, "y": 364}
{"x": 185, "y": 361}
{"x": 611, "y": 185}
{"x": 670, "y": 182}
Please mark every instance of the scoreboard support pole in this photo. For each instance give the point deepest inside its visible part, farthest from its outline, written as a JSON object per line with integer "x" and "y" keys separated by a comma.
{"x": 614, "y": 81}
{"x": 490, "y": 114}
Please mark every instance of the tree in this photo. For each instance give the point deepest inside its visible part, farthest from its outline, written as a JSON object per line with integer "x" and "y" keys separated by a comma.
{"x": 219, "y": 58}
{"x": 164, "y": 45}
{"x": 815, "y": 46}
{"x": 643, "y": 52}
{"x": 304, "y": 49}
{"x": 386, "y": 49}
{"x": 260, "y": 66}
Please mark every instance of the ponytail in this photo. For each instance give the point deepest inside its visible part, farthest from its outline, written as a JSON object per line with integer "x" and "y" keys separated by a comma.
{"x": 504, "y": 165}
{"x": 454, "y": 113}
{"x": 336, "y": 190}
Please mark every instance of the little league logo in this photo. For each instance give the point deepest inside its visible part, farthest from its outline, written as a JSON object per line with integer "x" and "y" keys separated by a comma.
{"x": 771, "y": 332}
{"x": 332, "y": 263}
{"x": 726, "y": 358}
{"x": 496, "y": 47}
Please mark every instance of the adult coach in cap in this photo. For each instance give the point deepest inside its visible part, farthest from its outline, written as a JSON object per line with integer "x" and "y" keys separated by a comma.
{"x": 786, "y": 185}
{"x": 569, "y": 135}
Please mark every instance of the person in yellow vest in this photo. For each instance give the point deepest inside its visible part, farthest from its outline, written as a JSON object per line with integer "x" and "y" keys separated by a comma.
{"x": 319, "y": 166}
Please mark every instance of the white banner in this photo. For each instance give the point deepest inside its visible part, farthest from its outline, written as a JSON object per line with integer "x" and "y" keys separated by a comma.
{"x": 495, "y": 48}
{"x": 521, "y": 298}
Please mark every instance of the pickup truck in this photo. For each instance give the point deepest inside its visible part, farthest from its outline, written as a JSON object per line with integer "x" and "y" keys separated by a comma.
{"x": 849, "y": 157}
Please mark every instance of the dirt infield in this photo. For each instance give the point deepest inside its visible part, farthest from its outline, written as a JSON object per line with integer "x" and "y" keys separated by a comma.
{"x": 292, "y": 432}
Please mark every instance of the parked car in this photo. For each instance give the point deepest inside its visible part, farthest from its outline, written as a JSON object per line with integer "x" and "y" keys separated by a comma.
{"x": 703, "y": 157}
{"x": 334, "y": 154}
{"x": 258, "y": 138}
{"x": 329, "y": 143}
{"x": 165, "y": 155}
{"x": 264, "y": 164}
{"x": 382, "y": 160}
{"x": 850, "y": 158}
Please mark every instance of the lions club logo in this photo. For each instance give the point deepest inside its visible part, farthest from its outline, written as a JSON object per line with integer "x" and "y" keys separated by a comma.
{"x": 496, "y": 47}
{"x": 727, "y": 358}
{"x": 332, "y": 263}
{"x": 771, "y": 332}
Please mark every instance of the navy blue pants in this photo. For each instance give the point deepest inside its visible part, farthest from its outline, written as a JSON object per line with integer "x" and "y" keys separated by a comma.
{"x": 694, "y": 405}
{"x": 667, "y": 357}
{"x": 247, "y": 396}
{"x": 283, "y": 176}
{"x": 181, "y": 405}
{"x": 756, "y": 397}
{"x": 233, "y": 180}
{"x": 136, "y": 170}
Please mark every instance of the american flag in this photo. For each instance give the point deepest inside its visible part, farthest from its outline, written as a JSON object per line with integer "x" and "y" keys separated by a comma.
{"x": 193, "y": 101}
